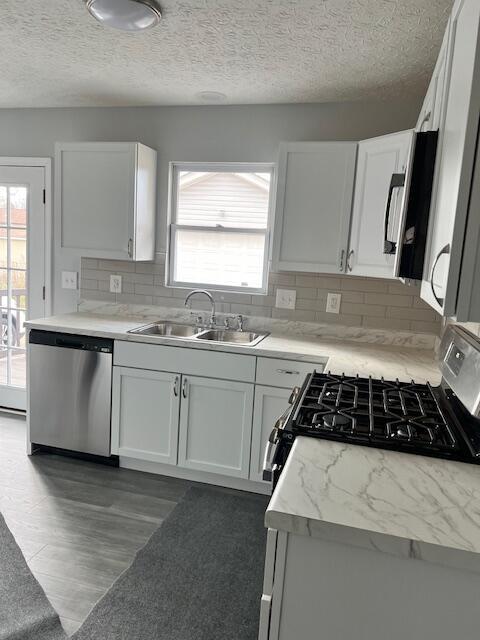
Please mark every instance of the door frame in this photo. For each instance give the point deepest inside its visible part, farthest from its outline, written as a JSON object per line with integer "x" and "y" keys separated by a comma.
{"x": 46, "y": 163}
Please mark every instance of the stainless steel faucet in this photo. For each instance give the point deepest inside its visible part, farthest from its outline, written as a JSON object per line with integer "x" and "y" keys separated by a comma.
{"x": 213, "y": 317}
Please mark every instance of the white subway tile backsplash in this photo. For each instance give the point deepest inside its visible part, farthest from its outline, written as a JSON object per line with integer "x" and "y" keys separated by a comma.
{"x": 306, "y": 293}
{"x": 116, "y": 265}
{"x": 92, "y": 285}
{"x": 344, "y": 319}
{"x": 353, "y": 283}
{"x": 411, "y": 313}
{"x": 388, "y": 299}
{"x": 368, "y": 302}
{"x": 282, "y": 278}
{"x": 424, "y": 327}
{"x": 364, "y": 309}
{"x": 395, "y": 324}
{"x": 90, "y": 263}
{"x": 301, "y": 315}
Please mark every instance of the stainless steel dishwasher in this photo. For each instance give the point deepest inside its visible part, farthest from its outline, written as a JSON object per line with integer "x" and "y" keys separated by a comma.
{"x": 70, "y": 380}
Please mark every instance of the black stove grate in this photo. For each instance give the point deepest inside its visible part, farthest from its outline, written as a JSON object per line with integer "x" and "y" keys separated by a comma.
{"x": 373, "y": 411}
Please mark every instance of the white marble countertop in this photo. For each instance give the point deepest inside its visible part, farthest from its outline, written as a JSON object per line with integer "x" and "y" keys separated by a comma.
{"x": 399, "y": 503}
{"x": 339, "y": 356}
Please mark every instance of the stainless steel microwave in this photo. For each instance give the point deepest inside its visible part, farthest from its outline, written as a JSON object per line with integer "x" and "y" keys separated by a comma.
{"x": 416, "y": 182}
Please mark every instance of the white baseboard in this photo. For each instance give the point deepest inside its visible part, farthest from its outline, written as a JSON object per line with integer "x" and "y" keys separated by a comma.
{"x": 195, "y": 476}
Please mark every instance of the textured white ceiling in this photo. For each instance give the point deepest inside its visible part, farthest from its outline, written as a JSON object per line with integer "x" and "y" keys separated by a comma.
{"x": 53, "y": 53}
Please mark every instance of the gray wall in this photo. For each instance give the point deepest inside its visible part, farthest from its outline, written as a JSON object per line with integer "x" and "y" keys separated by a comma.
{"x": 223, "y": 133}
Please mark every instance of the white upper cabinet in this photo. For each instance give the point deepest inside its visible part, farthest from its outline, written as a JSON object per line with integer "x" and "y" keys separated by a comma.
{"x": 378, "y": 159}
{"x": 106, "y": 199}
{"x": 431, "y": 113}
{"x": 457, "y": 145}
{"x": 313, "y": 206}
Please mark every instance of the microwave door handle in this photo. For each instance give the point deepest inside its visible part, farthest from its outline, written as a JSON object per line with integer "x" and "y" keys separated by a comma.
{"x": 398, "y": 180}
{"x": 444, "y": 251}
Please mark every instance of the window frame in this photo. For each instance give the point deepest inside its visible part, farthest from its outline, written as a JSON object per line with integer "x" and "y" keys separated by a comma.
{"x": 221, "y": 167}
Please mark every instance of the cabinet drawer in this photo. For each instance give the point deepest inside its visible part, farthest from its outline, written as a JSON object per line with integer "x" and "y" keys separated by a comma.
{"x": 197, "y": 362}
{"x": 284, "y": 373}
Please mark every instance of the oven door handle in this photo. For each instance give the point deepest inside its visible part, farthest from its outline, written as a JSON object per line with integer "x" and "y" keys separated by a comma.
{"x": 267, "y": 457}
{"x": 273, "y": 438}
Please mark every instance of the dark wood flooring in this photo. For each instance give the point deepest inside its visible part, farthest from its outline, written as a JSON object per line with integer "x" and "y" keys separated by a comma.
{"x": 79, "y": 524}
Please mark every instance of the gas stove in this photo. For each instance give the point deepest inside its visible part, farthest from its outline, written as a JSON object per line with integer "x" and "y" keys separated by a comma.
{"x": 414, "y": 418}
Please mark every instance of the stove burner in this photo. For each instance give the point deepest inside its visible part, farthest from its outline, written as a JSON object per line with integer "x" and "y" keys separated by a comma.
{"x": 378, "y": 412}
{"x": 333, "y": 421}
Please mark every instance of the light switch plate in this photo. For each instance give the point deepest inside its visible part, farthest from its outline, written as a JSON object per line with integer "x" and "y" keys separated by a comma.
{"x": 286, "y": 299}
{"x": 69, "y": 279}
{"x": 333, "y": 302}
{"x": 115, "y": 284}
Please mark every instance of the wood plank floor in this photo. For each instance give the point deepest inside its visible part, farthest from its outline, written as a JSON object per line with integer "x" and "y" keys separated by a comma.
{"x": 78, "y": 524}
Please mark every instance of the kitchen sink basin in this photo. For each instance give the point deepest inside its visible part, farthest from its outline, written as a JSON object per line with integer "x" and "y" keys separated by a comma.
{"x": 167, "y": 329}
{"x": 233, "y": 337}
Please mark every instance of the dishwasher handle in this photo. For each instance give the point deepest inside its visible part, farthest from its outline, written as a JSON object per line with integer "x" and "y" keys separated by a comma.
{"x": 70, "y": 341}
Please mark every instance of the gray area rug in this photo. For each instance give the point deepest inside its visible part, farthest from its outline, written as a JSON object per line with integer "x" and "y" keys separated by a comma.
{"x": 199, "y": 577}
{"x": 25, "y": 612}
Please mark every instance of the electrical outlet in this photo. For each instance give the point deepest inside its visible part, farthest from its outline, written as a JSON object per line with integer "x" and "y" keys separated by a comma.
{"x": 286, "y": 299}
{"x": 333, "y": 302}
{"x": 69, "y": 280}
{"x": 115, "y": 284}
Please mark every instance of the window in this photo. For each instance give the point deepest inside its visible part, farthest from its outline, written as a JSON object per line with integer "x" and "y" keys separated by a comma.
{"x": 219, "y": 226}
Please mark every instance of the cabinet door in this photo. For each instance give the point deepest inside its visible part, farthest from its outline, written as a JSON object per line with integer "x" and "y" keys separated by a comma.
{"x": 270, "y": 403}
{"x": 95, "y": 198}
{"x": 313, "y": 206}
{"x": 455, "y": 160}
{"x": 145, "y": 414}
{"x": 105, "y": 199}
{"x": 433, "y": 105}
{"x": 215, "y": 426}
{"x": 378, "y": 159}
{"x": 427, "y": 112}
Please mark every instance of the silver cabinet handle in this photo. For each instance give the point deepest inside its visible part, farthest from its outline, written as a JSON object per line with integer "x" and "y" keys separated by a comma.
{"x": 442, "y": 252}
{"x": 184, "y": 387}
{"x": 342, "y": 258}
{"x": 175, "y": 386}
{"x": 289, "y": 372}
{"x": 350, "y": 255}
{"x": 130, "y": 248}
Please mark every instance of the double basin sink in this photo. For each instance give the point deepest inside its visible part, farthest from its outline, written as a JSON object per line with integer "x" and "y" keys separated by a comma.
{"x": 166, "y": 329}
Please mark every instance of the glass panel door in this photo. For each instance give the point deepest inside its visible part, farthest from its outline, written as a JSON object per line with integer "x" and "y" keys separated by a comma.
{"x": 22, "y": 269}
{"x": 13, "y": 284}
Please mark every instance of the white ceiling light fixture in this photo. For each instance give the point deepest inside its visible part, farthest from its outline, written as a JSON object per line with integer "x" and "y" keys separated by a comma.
{"x": 127, "y": 15}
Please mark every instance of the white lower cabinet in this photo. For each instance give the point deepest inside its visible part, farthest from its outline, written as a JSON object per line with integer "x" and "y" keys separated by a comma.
{"x": 215, "y": 426}
{"x": 270, "y": 403}
{"x": 329, "y": 590}
{"x": 198, "y": 423}
{"x": 145, "y": 414}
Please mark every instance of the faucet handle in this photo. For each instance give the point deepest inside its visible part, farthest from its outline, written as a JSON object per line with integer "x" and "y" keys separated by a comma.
{"x": 240, "y": 322}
